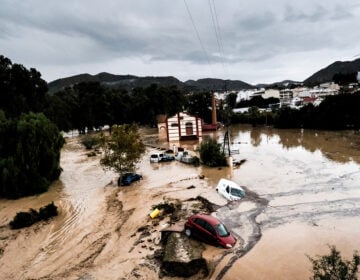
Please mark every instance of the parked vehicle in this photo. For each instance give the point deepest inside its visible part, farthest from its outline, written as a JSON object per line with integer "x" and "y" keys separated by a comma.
{"x": 167, "y": 157}
{"x": 156, "y": 157}
{"x": 185, "y": 157}
{"x": 128, "y": 178}
{"x": 230, "y": 190}
{"x": 210, "y": 230}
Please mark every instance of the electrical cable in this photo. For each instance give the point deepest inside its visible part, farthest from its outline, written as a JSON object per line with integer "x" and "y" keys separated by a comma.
{"x": 198, "y": 35}
{"x": 219, "y": 40}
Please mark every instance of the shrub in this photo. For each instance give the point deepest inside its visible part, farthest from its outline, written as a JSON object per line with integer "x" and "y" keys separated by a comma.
{"x": 333, "y": 267}
{"x": 210, "y": 153}
{"x": 26, "y": 219}
{"x": 48, "y": 211}
{"x": 89, "y": 141}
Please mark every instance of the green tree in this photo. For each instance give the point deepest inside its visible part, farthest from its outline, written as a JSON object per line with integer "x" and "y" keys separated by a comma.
{"x": 254, "y": 115}
{"x": 199, "y": 104}
{"x": 287, "y": 118}
{"x": 21, "y": 90}
{"x": 211, "y": 154}
{"x": 147, "y": 103}
{"x": 120, "y": 108}
{"x": 122, "y": 149}
{"x": 345, "y": 78}
{"x": 333, "y": 267}
{"x": 29, "y": 155}
{"x": 60, "y": 108}
{"x": 230, "y": 100}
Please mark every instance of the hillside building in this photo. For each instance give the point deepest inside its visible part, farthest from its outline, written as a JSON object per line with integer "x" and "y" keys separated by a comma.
{"x": 286, "y": 96}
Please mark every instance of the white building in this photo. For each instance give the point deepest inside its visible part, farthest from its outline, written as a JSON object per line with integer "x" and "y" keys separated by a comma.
{"x": 183, "y": 126}
{"x": 271, "y": 93}
{"x": 318, "y": 92}
{"x": 286, "y": 96}
{"x": 248, "y": 94}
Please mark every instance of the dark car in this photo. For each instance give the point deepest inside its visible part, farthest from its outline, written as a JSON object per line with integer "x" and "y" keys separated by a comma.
{"x": 166, "y": 157}
{"x": 128, "y": 178}
{"x": 210, "y": 230}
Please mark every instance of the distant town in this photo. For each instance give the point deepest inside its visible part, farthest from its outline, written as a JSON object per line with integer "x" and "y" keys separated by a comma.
{"x": 293, "y": 96}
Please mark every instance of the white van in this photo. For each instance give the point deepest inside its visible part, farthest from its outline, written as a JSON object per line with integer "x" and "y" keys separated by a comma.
{"x": 230, "y": 190}
{"x": 156, "y": 157}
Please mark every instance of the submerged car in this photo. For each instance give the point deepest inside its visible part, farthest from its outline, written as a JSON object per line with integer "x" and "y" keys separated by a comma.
{"x": 230, "y": 190}
{"x": 128, "y": 178}
{"x": 210, "y": 230}
{"x": 167, "y": 157}
{"x": 156, "y": 157}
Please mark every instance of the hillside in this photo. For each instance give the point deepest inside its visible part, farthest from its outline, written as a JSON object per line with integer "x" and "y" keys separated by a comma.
{"x": 280, "y": 85}
{"x": 110, "y": 80}
{"x": 129, "y": 82}
{"x": 326, "y": 74}
{"x": 217, "y": 84}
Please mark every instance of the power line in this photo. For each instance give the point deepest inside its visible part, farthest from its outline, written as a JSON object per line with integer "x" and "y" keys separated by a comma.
{"x": 197, "y": 34}
{"x": 215, "y": 27}
{"x": 217, "y": 30}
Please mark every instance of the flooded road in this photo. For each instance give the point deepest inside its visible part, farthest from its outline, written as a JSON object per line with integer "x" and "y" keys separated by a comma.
{"x": 311, "y": 181}
{"x": 303, "y": 193}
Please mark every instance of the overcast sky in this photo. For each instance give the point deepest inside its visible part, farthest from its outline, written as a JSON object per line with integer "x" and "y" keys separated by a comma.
{"x": 250, "y": 40}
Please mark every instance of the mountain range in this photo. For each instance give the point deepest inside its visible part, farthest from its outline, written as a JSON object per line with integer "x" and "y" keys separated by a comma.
{"x": 129, "y": 82}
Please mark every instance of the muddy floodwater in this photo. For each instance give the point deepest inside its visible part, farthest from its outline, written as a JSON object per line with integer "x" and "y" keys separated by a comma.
{"x": 302, "y": 195}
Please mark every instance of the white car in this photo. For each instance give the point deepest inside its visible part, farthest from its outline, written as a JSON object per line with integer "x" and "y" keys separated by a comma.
{"x": 156, "y": 157}
{"x": 230, "y": 190}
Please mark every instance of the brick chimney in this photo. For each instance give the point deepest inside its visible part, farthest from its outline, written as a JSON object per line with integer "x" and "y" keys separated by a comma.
{"x": 213, "y": 111}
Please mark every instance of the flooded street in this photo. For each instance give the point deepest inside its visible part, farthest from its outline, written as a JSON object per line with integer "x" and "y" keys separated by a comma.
{"x": 311, "y": 180}
{"x": 303, "y": 194}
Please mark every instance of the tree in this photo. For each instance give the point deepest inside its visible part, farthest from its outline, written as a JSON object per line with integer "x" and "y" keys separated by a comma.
{"x": 21, "y": 90}
{"x": 345, "y": 78}
{"x": 199, "y": 104}
{"x": 123, "y": 148}
{"x": 61, "y": 108}
{"x": 29, "y": 155}
{"x": 210, "y": 153}
{"x": 332, "y": 267}
{"x": 230, "y": 100}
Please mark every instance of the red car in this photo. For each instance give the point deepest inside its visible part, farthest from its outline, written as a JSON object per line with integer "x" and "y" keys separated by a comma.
{"x": 210, "y": 230}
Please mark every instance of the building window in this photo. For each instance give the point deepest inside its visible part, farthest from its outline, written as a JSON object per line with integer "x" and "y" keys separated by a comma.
{"x": 189, "y": 128}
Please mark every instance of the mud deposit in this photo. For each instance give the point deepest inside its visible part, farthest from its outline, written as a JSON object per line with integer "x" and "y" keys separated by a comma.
{"x": 303, "y": 193}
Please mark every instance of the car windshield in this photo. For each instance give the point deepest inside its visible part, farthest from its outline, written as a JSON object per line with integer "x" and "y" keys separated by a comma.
{"x": 237, "y": 192}
{"x": 222, "y": 231}
{"x": 154, "y": 156}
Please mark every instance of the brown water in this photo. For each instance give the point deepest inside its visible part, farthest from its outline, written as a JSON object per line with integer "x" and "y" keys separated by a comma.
{"x": 308, "y": 187}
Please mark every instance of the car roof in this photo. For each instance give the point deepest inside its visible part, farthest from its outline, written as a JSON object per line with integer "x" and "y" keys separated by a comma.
{"x": 129, "y": 173}
{"x": 208, "y": 218}
{"x": 224, "y": 182}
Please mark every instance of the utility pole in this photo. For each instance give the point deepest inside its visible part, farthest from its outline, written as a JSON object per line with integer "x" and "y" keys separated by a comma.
{"x": 226, "y": 144}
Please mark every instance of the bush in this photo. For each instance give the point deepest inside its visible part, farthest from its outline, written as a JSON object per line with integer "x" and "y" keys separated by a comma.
{"x": 48, "y": 211}
{"x": 210, "y": 153}
{"x": 332, "y": 267}
{"x": 26, "y": 219}
{"x": 89, "y": 141}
